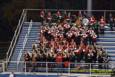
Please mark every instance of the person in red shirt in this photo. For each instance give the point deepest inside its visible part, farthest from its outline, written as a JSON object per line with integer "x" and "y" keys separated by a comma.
{"x": 66, "y": 64}
{"x": 59, "y": 60}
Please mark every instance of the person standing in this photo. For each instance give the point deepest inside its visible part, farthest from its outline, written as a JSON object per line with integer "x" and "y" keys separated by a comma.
{"x": 58, "y": 16}
{"x": 96, "y": 28}
{"x": 92, "y": 21}
{"x": 102, "y": 23}
{"x": 11, "y": 74}
{"x": 49, "y": 18}
{"x": 42, "y": 16}
{"x": 111, "y": 22}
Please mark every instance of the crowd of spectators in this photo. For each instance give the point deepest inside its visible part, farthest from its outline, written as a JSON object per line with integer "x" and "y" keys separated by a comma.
{"x": 68, "y": 40}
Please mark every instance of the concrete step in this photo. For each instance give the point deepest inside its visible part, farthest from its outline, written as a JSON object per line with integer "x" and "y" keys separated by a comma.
{"x": 108, "y": 46}
{"x": 113, "y": 58}
{"x": 107, "y": 36}
{"x": 109, "y": 31}
{"x": 99, "y": 42}
{"x": 106, "y": 39}
{"x": 112, "y": 54}
{"x": 110, "y": 50}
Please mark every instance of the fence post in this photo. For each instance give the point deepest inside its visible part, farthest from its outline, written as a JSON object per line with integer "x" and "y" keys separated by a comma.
{"x": 90, "y": 69}
{"x": 25, "y": 20}
{"x": 17, "y": 66}
{"x": 3, "y": 66}
{"x": 25, "y": 67}
{"x": 47, "y": 68}
{"x": 69, "y": 69}
{"x": 105, "y": 14}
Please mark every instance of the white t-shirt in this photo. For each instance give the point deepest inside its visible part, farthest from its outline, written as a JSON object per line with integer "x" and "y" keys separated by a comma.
{"x": 11, "y": 75}
{"x": 85, "y": 21}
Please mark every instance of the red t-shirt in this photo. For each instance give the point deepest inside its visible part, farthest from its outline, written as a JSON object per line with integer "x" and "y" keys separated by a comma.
{"x": 66, "y": 64}
{"x": 59, "y": 59}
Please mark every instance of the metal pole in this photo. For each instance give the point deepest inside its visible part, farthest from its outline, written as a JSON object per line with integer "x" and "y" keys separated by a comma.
{"x": 89, "y": 7}
{"x": 90, "y": 69}
{"x": 105, "y": 14}
{"x": 47, "y": 68}
{"x": 3, "y": 65}
{"x": 25, "y": 67}
{"x": 69, "y": 70}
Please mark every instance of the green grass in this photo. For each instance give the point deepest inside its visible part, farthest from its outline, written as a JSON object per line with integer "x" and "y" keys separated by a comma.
{"x": 93, "y": 71}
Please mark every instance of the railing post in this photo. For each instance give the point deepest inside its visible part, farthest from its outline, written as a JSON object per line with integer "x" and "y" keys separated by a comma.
{"x": 17, "y": 66}
{"x": 90, "y": 69}
{"x": 25, "y": 15}
{"x": 104, "y": 14}
{"x": 47, "y": 68}
{"x": 69, "y": 70}
{"x": 106, "y": 67}
{"x": 3, "y": 66}
{"x": 25, "y": 67}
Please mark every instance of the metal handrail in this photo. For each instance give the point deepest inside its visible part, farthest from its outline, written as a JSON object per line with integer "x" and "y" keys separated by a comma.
{"x": 16, "y": 34}
{"x": 54, "y": 65}
{"x": 68, "y": 10}
{"x": 25, "y": 41}
{"x": 52, "y": 62}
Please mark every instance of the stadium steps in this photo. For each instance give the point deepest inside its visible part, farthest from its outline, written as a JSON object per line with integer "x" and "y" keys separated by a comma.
{"x": 107, "y": 41}
{"x": 33, "y": 37}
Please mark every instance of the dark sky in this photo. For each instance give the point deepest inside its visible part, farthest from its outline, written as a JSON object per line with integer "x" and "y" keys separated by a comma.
{"x": 104, "y": 4}
{"x": 6, "y": 30}
{"x": 79, "y": 4}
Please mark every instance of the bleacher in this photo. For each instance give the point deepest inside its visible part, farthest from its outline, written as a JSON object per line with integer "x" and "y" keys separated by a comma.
{"x": 30, "y": 33}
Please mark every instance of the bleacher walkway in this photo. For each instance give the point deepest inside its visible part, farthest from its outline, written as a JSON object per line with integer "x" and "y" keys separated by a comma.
{"x": 107, "y": 41}
{"x": 32, "y": 38}
{"x": 53, "y": 75}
